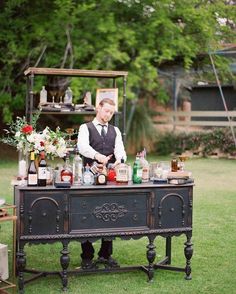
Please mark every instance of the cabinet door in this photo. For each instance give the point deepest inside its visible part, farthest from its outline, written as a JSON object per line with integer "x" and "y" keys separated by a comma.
{"x": 117, "y": 209}
{"x": 173, "y": 207}
{"x": 42, "y": 212}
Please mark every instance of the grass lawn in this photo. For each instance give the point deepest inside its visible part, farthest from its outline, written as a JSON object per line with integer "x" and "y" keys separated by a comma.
{"x": 214, "y": 239}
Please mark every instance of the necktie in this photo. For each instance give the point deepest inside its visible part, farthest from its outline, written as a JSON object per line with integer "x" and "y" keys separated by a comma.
{"x": 103, "y": 133}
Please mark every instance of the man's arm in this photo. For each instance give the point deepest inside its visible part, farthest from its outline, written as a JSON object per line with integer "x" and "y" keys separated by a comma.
{"x": 119, "y": 150}
{"x": 83, "y": 142}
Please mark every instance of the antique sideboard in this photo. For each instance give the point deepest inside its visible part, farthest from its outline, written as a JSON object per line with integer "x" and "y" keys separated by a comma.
{"x": 49, "y": 214}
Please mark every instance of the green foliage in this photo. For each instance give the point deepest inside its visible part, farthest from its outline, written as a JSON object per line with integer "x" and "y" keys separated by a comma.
{"x": 136, "y": 36}
{"x": 202, "y": 143}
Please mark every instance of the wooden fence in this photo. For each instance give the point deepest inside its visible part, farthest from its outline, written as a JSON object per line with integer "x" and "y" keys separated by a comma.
{"x": 186, "y": 118}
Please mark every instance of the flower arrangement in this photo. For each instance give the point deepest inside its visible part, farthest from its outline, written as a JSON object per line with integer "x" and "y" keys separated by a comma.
{"x": 25, "y": 138}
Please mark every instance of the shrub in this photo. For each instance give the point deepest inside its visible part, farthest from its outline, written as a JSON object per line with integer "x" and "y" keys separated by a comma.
{"x": 202, "y": 143}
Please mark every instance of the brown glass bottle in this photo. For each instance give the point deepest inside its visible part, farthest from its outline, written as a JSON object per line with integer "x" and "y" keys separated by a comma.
{"x": 42, "y": 170}
{"x": 174, "y": 165}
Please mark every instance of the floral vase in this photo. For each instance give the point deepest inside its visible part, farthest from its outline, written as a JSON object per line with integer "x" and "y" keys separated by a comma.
{"x": 23, "y": 162}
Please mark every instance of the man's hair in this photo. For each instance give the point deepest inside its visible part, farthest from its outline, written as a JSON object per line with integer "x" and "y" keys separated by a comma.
{"x": 108, "y": 101}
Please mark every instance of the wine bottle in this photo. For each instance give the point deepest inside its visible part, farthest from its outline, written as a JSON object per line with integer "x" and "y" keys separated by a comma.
{"x": 42, "y": 170}
{"x": 32, "y": 179}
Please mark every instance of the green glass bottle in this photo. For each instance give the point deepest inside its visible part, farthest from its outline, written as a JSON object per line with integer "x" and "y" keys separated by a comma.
{"x": 137, "y": 171}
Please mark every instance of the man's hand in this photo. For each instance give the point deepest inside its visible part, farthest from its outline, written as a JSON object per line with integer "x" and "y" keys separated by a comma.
{"x": 102, "y": 158}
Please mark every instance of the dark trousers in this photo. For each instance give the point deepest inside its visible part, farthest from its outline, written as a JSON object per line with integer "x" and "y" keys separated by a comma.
{"x": 88, "y": 250}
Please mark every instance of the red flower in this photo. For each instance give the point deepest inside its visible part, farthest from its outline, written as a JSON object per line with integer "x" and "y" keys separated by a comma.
{"x": 27, "y": 129}
{"x": 41, "y": 143}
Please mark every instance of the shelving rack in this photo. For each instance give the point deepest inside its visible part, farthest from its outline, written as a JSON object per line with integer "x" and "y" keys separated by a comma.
{"x": 31, "y": 72}
{"x": 5, "y": 285}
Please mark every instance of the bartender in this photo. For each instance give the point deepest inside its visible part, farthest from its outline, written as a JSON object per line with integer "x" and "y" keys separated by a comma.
{"x": 102, "y": 142}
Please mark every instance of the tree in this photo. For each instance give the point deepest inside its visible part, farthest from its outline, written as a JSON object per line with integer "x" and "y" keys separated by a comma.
{"x": 133, "y": 35}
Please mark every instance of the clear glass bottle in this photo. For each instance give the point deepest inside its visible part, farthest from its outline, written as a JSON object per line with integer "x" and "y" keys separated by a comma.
{"x": 88, "y": 177}
{"x": 43, "y": 96}
{"x": 145, "y": 167}
{"x": 42, "y": 170}
{"x": 137, "y": 171}
{"x": 68, "y": 96}
{"x": 77, "y": 169}
{"x": 32, "y": 179}
{"x": 122, "y": 173}
{"x": 66, "y": 172}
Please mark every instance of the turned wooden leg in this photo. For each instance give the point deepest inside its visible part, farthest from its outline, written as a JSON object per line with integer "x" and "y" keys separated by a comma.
{"x": 151, "y": 254}
{"x": 188, "y": 251}
{"x": 65, "y": 260}
{"x": 21, "y": 264}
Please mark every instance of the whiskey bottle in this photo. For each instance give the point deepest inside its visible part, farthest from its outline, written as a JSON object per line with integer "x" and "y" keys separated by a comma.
{"x": 42, "y": 170}
{"x": 66, "y": 172}
{"x": 174, "y": 165}
{"x": 32, "y": 179}
{"x": 122, "y": 173}
{"x": 100, "y": 178}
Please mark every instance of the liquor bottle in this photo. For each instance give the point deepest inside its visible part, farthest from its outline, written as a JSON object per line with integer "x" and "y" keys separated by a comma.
{"x": 68, "y": 96}
{"x": 66, "y": 172}
{"x": 32, "y": 179}
{"x": 111, "y": 173}
{"x": 122, "y": 173}
{"x": 42, "y": 170}
{"x": 137, "y": 171}
{"x": 88, "y": 177}
{"x": 174, "y": 165}
{"x": 145, "y": 167}
{"x": 77, "y": 169}
{"x": 43, "y": 96}
{"x": 100, "y": 178}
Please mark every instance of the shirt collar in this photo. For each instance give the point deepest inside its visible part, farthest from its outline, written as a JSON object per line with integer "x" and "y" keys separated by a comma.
{"x": 96, "y": 123}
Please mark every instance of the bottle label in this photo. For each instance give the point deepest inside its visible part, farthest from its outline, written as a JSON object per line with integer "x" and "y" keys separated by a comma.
{"x": 139, "y": 173}
{"x": 88, "y": 179}
{"x": 145, "y": 175}
{"x": 122, "y": 175}
{"x": 101, "y": 179}
{"x": 66, "y": 178}
{"x": 32, "y": 179}
{"x": 42, "y": 173}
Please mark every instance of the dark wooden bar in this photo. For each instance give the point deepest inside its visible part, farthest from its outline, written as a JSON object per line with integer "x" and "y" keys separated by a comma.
{"x": 49, "y": 214}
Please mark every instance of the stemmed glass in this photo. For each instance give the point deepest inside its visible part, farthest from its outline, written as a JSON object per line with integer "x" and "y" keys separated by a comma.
{"x": 182, "y": 159}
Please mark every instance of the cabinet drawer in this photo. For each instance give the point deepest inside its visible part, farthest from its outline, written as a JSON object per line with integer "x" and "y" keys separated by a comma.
{"x": 107, "y": 211}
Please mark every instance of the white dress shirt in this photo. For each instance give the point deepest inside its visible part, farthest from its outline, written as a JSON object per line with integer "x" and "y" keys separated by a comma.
{"x": 87, "y": 151}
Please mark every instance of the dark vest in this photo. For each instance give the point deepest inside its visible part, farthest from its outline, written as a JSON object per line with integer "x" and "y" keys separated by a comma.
{"x": 104, "y": 146}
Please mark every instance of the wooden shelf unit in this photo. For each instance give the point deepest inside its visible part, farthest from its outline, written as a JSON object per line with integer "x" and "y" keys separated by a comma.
{"x": 6, "y": 285}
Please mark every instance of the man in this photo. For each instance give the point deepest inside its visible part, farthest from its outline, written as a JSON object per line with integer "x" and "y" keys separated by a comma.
{"x": 101, "y": 142}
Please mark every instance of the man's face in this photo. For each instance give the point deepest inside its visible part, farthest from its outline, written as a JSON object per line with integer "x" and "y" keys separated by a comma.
{"x": 105, "y": 112}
